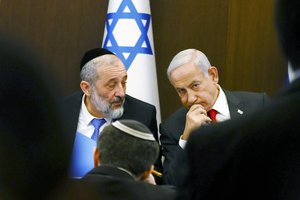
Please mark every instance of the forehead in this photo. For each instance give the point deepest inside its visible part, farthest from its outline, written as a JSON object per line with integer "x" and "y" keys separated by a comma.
{"x": 112, "y": 70}
{"x": 186, "y": 74}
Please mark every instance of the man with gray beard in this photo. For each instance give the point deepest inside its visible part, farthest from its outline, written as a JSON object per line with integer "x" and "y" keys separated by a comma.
{"x": 101, "y": 101}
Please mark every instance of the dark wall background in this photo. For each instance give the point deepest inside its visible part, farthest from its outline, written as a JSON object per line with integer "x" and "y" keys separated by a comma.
{"x": 238, "y": 36}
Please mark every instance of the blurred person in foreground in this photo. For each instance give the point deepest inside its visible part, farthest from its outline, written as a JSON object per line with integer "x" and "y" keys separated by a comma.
{"x": 34, "y": 151}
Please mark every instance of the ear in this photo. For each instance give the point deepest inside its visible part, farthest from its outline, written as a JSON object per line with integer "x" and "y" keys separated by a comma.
{"x": 96, "y": 157}
{"x": 213, "y": 74}
{"x": 86, "y": 88}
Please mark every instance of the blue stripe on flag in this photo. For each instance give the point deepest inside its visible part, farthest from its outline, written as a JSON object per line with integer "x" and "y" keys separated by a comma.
{"x": 142, "y": 45}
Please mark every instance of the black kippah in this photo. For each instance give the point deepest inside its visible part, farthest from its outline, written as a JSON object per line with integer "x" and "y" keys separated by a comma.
{"x": 93, "y": 53}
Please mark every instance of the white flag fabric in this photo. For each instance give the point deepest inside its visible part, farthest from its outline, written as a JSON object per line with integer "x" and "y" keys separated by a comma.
{"x": 128, "y": 33}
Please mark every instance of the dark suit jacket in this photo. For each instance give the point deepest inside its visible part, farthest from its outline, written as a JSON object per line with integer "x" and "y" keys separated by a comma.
{"x": 256, "y": 157}
{"x": 115, "y": 184}
{"x": 172, "y": 128}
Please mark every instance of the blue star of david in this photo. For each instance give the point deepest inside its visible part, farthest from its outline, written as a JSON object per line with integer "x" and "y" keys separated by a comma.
{"x": 142, "y": 45}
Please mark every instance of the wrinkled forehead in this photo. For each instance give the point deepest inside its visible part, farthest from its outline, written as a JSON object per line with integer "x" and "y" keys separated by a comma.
{"x": 186, "y": 71}
{"x": 111, "y": 70}
{"x": 110, "y": 60}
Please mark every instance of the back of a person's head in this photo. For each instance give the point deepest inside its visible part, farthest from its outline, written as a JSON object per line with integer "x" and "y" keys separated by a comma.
{"x": 32, "y": 144}
{"x": 288, "y": 25}
{"x": 118, "y": 148}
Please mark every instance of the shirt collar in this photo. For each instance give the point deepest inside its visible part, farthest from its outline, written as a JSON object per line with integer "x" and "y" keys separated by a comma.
{"x": 221, "y": 104}
{"x": 128, "y": 172}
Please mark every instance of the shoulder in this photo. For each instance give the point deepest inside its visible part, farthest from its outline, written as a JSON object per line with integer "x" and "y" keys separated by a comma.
{"x": 141, "y": 111}
{"x": 127, "y": 187}
{"x": 76, "y": 96}
{"x": 153, "y": 191}
{"x": 72, "y": 103}
{"x": 245, "y": 94}
{"x": 161, "y": 192}
{"x": 250, "y": 98}
{"x": 134, "y": 102}
{"x": 177, "y": 116}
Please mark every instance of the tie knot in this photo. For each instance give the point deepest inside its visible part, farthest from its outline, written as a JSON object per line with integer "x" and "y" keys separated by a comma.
{"x": 97, "y": 123}
{"x": 212, "y": 115}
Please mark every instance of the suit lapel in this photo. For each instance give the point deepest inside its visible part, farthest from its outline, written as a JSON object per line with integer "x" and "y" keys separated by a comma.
{"x": 236, "y": 107}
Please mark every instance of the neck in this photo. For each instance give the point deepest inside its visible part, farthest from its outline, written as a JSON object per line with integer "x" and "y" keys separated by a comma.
{"x": 128, "y": 172}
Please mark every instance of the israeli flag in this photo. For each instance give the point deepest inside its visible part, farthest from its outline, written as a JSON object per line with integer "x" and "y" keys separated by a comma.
{"x": 128, "y": 33}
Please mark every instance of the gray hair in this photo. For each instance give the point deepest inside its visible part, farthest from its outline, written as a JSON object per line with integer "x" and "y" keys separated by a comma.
{"x": 89, "y": 70}
{"x": 189, "y": 55}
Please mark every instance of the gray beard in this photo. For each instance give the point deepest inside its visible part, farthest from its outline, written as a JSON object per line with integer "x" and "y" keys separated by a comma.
{"x": 104, "y": 107}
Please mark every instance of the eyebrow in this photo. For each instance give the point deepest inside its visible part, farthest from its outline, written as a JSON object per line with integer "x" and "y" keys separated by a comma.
{"x": 192, "y": 83}
{"x": 116, "y": 79}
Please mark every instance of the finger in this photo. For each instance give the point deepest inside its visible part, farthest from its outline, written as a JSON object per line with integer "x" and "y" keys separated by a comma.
{"x": 197, "y": 109}
{"x": 206, "y": 120}
{"x": 196, "y": 106}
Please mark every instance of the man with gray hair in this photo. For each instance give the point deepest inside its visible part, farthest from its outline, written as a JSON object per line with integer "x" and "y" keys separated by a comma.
{"x": 258, "y": 156}
{"x": 204, "y": 101}
{"x": 124, "y": 158}
{"x": 102, "y": 100}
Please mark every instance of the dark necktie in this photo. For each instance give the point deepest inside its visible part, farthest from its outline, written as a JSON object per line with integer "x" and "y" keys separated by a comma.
{"x": 97, "y": 123}
{"x": 212, "y": 115}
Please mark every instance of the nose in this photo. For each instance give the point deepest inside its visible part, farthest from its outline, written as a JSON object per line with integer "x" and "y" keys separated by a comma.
{"x": 120, "y": 90}
{"x": 191, "y": 97}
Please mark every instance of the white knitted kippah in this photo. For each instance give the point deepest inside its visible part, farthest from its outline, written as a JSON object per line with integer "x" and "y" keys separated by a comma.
{"x": 133, "y": 132}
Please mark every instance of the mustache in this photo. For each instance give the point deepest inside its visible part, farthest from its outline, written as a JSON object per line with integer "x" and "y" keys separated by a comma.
{"x": 118, "y": 99}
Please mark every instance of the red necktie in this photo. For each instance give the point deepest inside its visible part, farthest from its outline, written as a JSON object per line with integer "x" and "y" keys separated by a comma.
{"x": 212, "y": 115}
